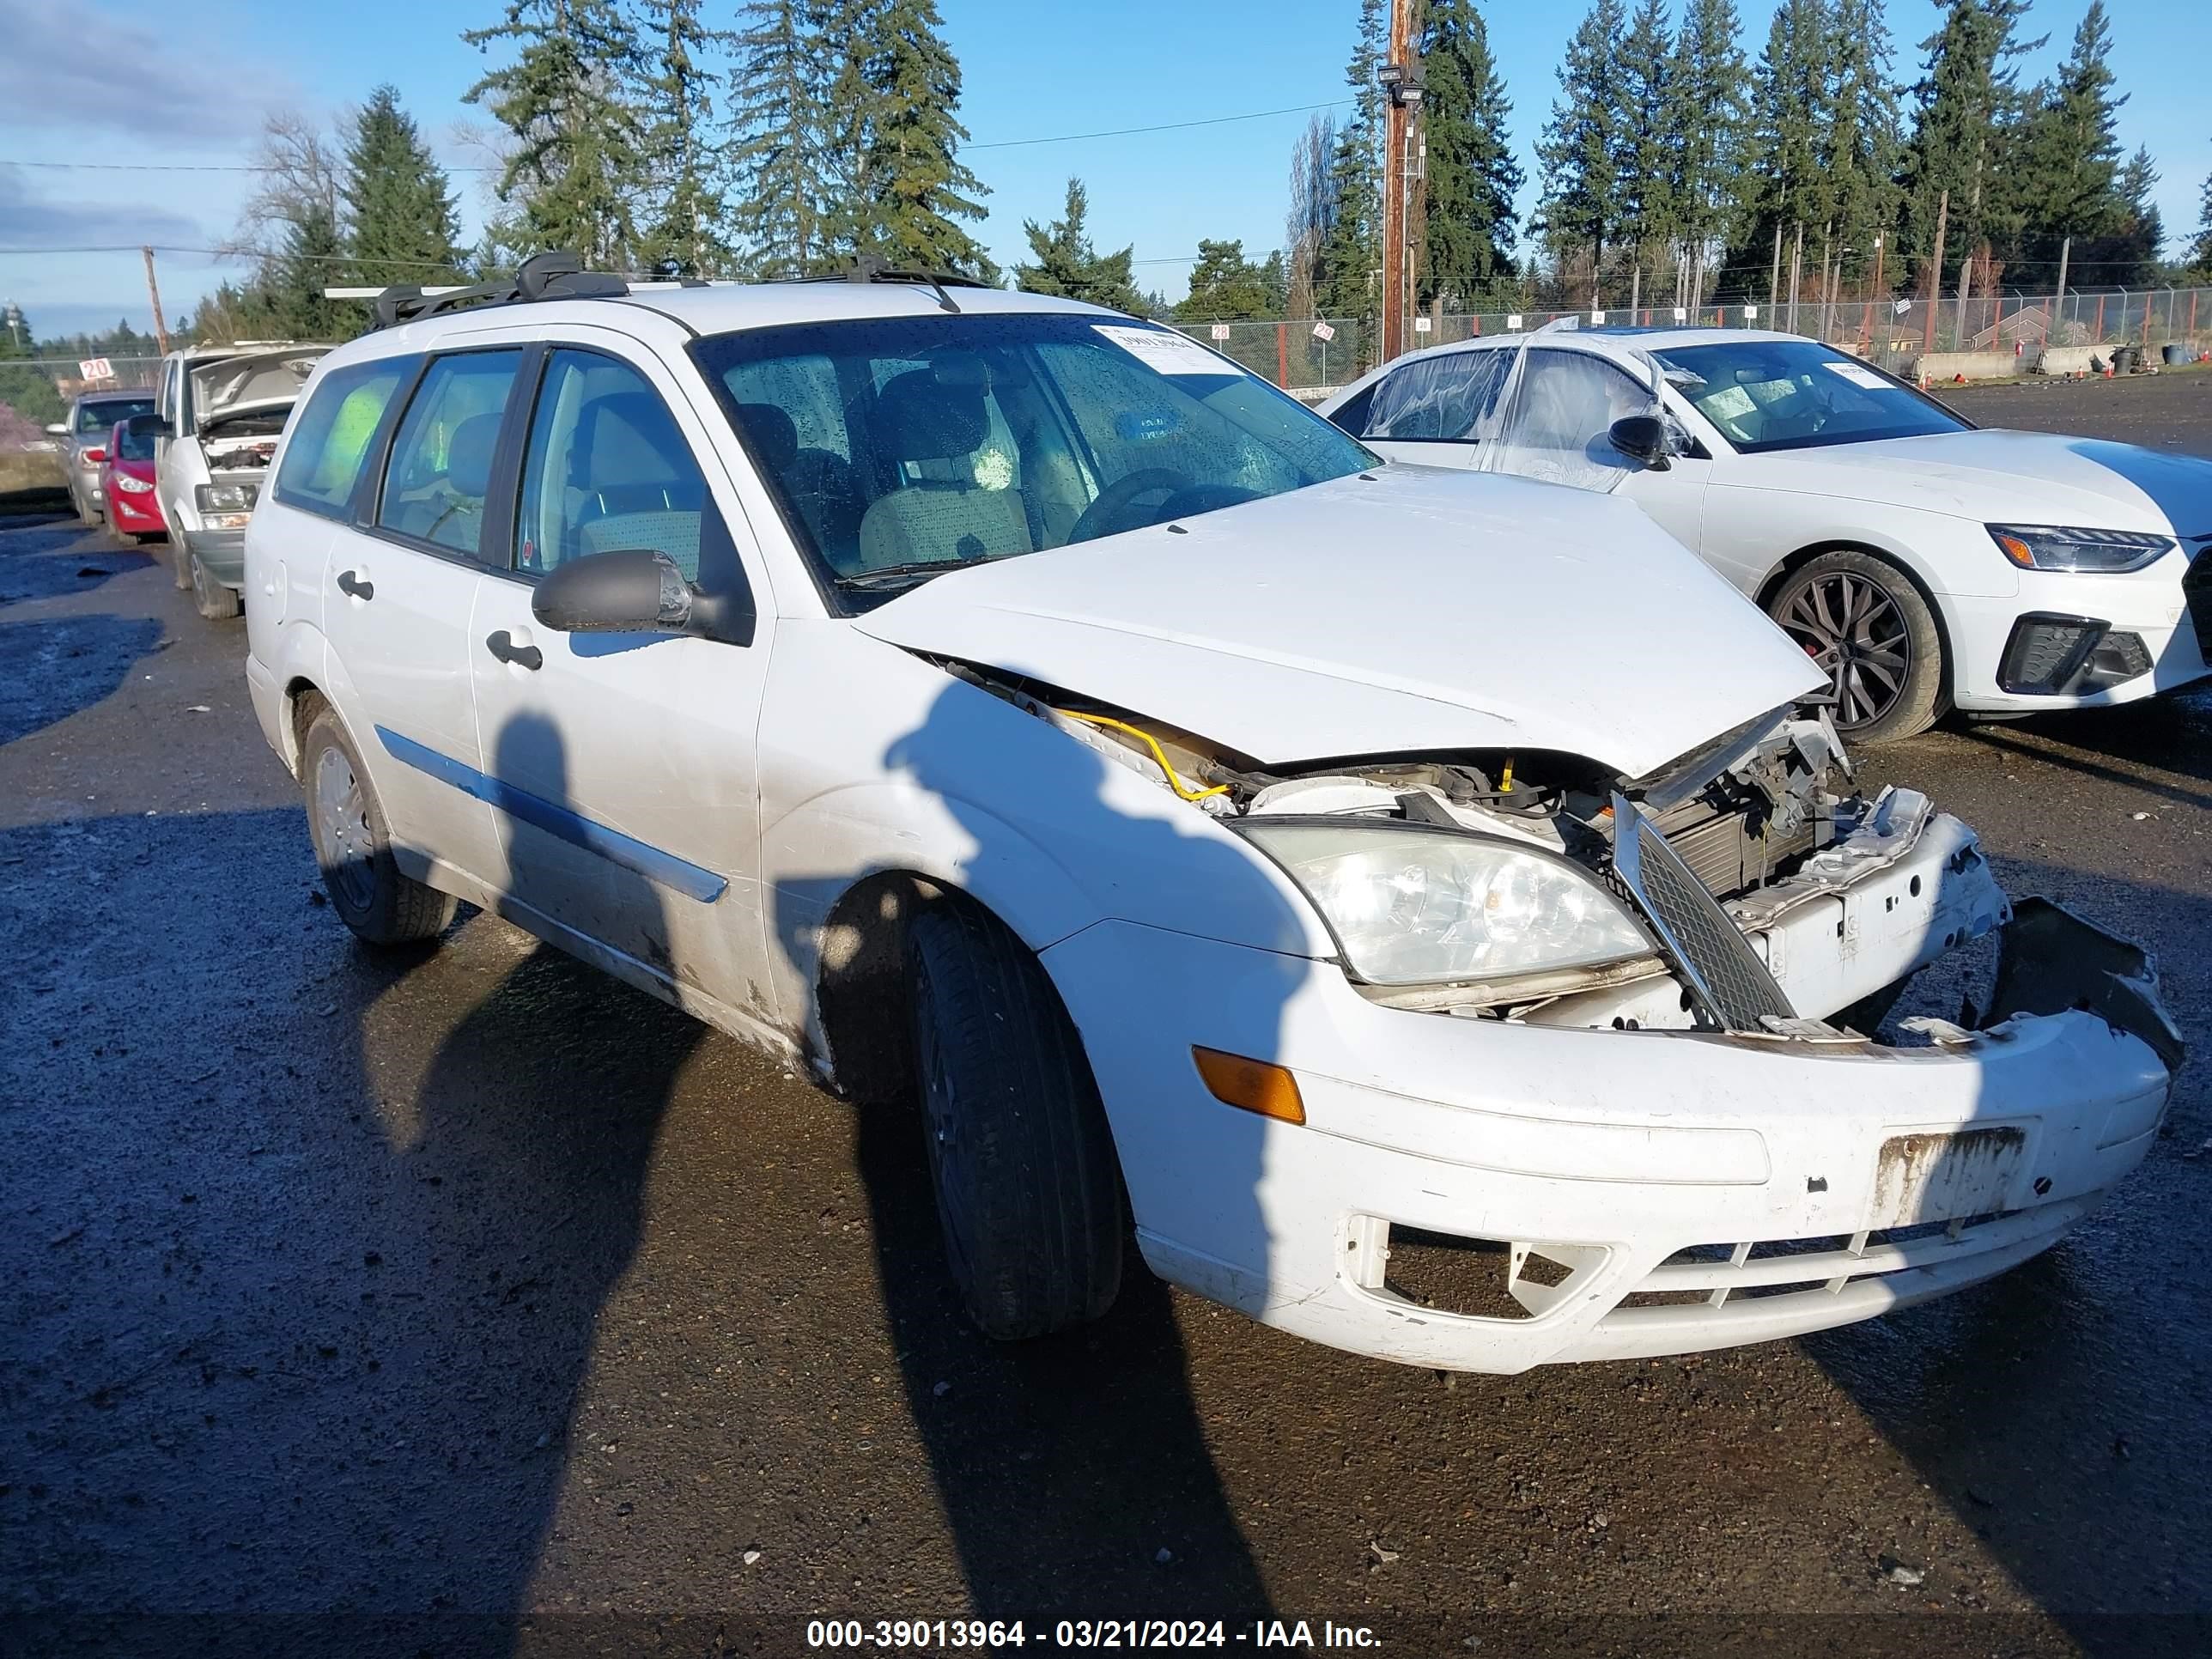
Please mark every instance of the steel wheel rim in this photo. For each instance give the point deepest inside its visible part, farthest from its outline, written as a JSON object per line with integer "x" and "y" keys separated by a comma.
{"x": 341, "y": 827}
{"x": 1856, "y": 631}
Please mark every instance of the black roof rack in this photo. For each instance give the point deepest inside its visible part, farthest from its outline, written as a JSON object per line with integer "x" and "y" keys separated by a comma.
{"x": 873, "y": 268}
{"x": 550, "y": 276}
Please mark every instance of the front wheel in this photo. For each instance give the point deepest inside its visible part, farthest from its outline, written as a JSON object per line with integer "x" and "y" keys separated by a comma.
{"x": 1863, "y": 621}
{"x": 209, "y": 597}
{"x": 1028, "y": 1192}
{"x": 353, "y": 844}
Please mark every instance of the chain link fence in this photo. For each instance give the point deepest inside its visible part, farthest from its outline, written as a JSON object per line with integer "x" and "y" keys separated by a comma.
{"x": 1312, "y": 357}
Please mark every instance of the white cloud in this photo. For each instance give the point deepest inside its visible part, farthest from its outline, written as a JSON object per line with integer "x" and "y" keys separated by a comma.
{"x": 57, "y": 77}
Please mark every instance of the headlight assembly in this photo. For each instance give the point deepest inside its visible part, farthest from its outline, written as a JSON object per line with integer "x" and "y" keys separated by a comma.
{"x": 131, "y": 486}
{"x": 2068, "y": 547}
{"x": 225, "y": 497}
{"x": 1412, "y": 905}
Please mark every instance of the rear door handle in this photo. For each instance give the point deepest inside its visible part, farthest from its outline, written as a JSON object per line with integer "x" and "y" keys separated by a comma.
{"x": 502, "y": 645}
{"x": 355, "y": 585}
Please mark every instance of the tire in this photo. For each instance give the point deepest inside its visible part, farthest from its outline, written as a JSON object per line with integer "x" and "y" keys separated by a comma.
{"x": 1864, "y": 622}
{"x": 353, "y": 844}
{"x": 209, "y": 597}
{"x": 85, "y": 515}
{"x": 1029, "y": 1193}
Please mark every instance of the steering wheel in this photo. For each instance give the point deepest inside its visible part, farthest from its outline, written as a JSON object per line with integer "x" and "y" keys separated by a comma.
{"x": 1103, "y": 516}
{"x": 1205, "y": 498}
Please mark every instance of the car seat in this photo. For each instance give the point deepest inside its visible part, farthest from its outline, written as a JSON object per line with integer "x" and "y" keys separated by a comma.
{"x": 921, "y": 418}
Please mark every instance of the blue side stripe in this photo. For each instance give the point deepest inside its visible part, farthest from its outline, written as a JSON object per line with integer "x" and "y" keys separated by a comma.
{"x": 662, "y": 869}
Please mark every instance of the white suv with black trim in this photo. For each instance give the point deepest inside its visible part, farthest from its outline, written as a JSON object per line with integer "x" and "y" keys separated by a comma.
{"x": 995, "y": 700}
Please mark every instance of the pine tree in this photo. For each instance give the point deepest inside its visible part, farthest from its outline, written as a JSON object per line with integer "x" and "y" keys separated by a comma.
{"x": 1646, "y": 163}
{"x": 402, "y": 223}
{"x": 2070, "y": 156}
{"x": 577, "y": 166}
{"x": 2200, "y": 259}
{"x": 2129, "y": 257}
{"x": 1068, "y": 266}
{"x": 677, "y": 94}
{"x": 1225, "y": 286}
{"x": 1581, "y": 144}
{"x": 286, "y": 302}
{"x": 913, "y": 188}
{"x": 1859, "y": 152}
{"x": 1467, "y": 236}
{"x": 779, "y": 164}
{"x": 1708, "y": 118}
{"x": 1351, "y": 257}
{"x": 1967, "y": 110}
{"x": 1792, "y": 119}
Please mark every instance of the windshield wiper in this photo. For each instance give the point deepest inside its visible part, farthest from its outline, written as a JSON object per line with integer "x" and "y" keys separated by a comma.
{"x": 900, "y": 575}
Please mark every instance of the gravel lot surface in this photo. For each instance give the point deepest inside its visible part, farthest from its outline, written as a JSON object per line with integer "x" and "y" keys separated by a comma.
{"x": 475, "y": 1303}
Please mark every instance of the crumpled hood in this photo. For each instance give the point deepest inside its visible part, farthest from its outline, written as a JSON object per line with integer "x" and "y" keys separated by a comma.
{"x": 2005, "y": 478}
{"x": 252, "y": 381}
{"x": 1410, "y": 610}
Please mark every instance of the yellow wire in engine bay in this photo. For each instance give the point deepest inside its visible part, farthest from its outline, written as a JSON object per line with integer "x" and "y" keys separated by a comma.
{"x": 1151, "y": 742}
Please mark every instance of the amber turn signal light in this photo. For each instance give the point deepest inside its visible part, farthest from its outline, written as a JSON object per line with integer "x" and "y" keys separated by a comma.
{"x": 1251, "y": 1085}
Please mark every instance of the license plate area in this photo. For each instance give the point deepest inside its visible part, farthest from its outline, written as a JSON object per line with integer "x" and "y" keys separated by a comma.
{"x": 1943, "y": 1177}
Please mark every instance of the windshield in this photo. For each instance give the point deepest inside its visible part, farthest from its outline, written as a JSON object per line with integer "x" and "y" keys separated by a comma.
{"x": 98, "y": 417}
{"x": 902, "y": 448}
{"x": 134, "y": 442}
{"x": 1795, "y": 394}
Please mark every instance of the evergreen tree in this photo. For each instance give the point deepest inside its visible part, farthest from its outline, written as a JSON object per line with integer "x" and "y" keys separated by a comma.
{"x": 1067, "y": 265}
{"x": 577, "y": 164}
{"x": 1859, "y": 151}
{"x": 402, "y": 225}
{"x": 1967, "y": 109}
{"x": 1225, "y": 286}
{"x": 2200, "y": 259}
{"x": 1581, "y": 144}
{"x": 1792, "y": 121}
{"x": 1708, "y": 118}
{"x": 1351, "y": 257}
{"x": 913, "y": 188}
{"x": 1467, "y": 236}
{"x": 2130, "y": 256}
{"x": 2070, "y": 155}
{"x": 1646, "y": 161}
{"x": 779, "y": 162}
{"x": 684, "y": 230}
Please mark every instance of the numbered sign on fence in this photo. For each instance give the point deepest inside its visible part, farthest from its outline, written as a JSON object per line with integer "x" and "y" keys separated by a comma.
{"x": 1421, "y": 325}
{"x": 1324, "y": 331}
{"x": 96, "y": 368}
{"x": 1750, "y": 313}
{"x": 1597, "y": 316}
{"x": 1513, "y": 322}
{"x": 1681, "y": 313}
{"x": 1219, "y": 330}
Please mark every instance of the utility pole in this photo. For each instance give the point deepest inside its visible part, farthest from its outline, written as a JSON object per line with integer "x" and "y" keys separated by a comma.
{"x": 1965, "y": 287}
{"x": 1827, "y": 236}
{"x": 154, "y": 294}
{"x": 2059, "y": 295}
{"x": 1774, "y": 276}
{"x": 1796, "y": 267}
{"x": 1400, "y": 75}
{"x": 1934, "y": 294}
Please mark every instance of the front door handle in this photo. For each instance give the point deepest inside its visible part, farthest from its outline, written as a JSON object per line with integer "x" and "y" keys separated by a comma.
{"x": 355, "y": 585}
{"x": 502, "y": 645}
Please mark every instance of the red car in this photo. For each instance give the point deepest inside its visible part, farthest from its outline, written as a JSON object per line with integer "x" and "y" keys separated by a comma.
{"x": 126, "y": 480}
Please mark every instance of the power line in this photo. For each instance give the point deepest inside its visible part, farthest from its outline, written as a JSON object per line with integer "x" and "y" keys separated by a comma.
{"x": 1164, "y": 126}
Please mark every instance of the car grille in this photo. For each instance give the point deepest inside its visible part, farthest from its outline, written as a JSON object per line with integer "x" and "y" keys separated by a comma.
{"x": 2196, "y": 585}
{"x": 1727, "y": 977}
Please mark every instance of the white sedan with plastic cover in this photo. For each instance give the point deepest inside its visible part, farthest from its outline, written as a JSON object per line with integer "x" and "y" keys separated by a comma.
{"x": 1035, "y": 723}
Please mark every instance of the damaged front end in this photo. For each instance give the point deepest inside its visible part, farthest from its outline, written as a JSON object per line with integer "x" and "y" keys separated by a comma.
{"x": 1748, "y": 888}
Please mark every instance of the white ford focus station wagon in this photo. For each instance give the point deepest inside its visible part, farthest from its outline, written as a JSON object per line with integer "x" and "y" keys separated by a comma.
{"x": 1000, "y": 702}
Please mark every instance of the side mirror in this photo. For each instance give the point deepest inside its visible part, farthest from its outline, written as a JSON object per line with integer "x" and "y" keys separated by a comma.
{"x": 1644, "y": 440}
{"x": 635, "y": 590}
{"x": 56, "y": 429}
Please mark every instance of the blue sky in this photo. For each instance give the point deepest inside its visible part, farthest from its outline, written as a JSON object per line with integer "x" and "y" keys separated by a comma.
{"x": 85, "y": 82}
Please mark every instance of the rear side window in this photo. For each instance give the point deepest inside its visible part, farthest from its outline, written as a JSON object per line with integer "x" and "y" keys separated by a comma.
{"x": 100, "y": 417}
{"x": 440, "y": 472}
{"x": 1447, "y": 399}
{"x": 607, "y": 470}
{"x": 323, "y": 461}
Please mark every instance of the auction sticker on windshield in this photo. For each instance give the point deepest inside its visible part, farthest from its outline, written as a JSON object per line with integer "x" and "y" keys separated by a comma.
{"x": 1166, "y": 352}
{"x": 1859, "y": 375}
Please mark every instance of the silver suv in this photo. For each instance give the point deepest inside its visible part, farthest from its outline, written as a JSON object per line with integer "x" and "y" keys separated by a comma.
{"x": 83, "y": 435}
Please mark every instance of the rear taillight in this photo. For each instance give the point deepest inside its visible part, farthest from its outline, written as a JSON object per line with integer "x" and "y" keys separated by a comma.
{"x": 95, "y": 454}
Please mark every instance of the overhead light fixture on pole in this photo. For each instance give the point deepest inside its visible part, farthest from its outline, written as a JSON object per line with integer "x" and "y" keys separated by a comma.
{"x": 1400, "y": 77}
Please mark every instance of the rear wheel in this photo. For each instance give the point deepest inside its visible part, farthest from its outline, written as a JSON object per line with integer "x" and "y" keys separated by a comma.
{"x": 353, "y": 844}
{"x": 86, "y": 513}
{"x": 1028, "y": 1192}
{"x": 1862, "y": 620}
{"x": 209, "y": 597}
